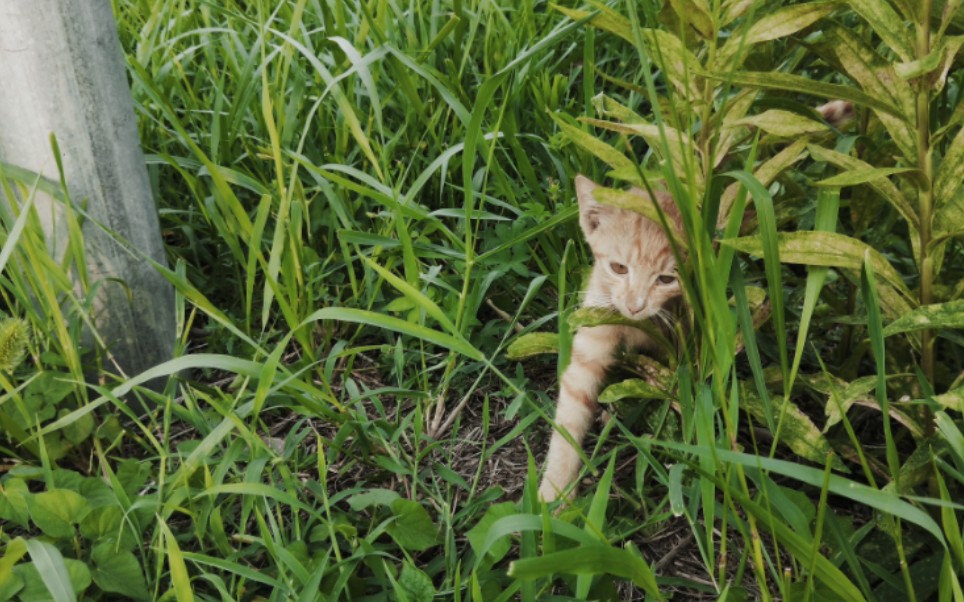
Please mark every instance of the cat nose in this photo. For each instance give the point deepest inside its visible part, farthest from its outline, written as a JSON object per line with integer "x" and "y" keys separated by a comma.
{"x": 637, "y": 305}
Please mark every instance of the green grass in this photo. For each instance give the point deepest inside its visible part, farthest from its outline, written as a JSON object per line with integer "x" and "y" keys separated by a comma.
{"x": 366, "y": 203}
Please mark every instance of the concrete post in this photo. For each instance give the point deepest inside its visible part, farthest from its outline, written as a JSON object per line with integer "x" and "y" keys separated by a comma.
{"x": 62, "y": 71}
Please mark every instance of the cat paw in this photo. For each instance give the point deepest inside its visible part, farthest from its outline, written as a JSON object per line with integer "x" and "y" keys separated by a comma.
{"x": 550, "y": 492}
{"x": 547, "y": 492}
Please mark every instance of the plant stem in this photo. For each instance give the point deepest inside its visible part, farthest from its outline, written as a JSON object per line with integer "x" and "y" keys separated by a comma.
{"x": 926, "y": 195}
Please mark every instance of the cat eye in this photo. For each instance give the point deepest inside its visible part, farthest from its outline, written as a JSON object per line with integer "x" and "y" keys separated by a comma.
{"x": 667, "y": 279}
{"x": 618, "y": 268}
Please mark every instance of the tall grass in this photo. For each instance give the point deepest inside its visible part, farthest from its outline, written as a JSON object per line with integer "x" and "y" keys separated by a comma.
{"x": 365, "y": 203}
{"x": 709, "y": 116}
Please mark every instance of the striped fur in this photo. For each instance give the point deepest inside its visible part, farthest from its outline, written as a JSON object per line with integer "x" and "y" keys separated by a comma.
{"x": 633, "y": 273}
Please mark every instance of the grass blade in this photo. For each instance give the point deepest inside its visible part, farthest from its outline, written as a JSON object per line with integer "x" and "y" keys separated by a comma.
{"x": 884, "y": 501}
{"x": 371, "y": 318}
{"x": 175, "y": 561}
{"x": 590, "y": 560}
{"x": 828, "y": 202}
{"x": 50, "y": 564}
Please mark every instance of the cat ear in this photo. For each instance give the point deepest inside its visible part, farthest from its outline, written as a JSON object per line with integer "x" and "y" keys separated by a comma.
{"x": 670, "y": 210}
{"x": 591, "y": 212}
{"x": 665, "y": 201}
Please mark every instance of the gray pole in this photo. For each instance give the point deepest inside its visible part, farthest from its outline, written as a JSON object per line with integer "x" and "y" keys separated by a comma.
{"x": 62, "y": 71}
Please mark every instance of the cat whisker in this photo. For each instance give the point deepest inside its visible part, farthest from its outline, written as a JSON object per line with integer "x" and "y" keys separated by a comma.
{"x": 665, "y": 318}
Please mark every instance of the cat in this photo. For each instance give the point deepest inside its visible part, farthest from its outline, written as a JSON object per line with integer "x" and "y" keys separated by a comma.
{"x": 837, "y": 113}
{"x": 634, "y": 273}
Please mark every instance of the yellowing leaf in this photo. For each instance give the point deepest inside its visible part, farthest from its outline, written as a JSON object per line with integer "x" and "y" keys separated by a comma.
{"x": 797, "y": 431}
{"x": 950, "y": 46}
{"x": 607, "y": 19}
{"x": 949, "y": 219}
{"x": 934, "y": 316}
{"x": 788, "y": 20}
{"x": 842, "y": 395}
{"x": 852, "y": 178}
{"x": 734, "y": 110}
{"x": 734, "y": 9}
{"x": 15, "y": 502}
{"x": 678, "y": 64}
{"x": 827, "y": 249}
{"x": 784, "y": 123}
{"x": 917, "y": 68}
{"x": 765, "y": 174}
{"x": 635, "y": 388}
{"x": 778, "y": 24}
{"x": 678, "y": 148}
{"x": 697, "y": 14}
{"x": 533, "y": 343}
{"x": 585, "y": 317}
{"x": 10, "y": 583}
{"x": 884, "y": 187}
{"x": 879, "y": 80}
{"x": 952, "y": 400}
{"x": 773, "y": 80}
{"x": 180, "y": 578}
{"x": 595, "y": 146}
{"x": 948, "y": 192}
{"x": 893, "y": 30}
{"x": 606, "y": 106}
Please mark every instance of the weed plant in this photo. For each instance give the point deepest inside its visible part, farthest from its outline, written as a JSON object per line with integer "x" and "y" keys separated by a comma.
{"x": 369, "y": 212}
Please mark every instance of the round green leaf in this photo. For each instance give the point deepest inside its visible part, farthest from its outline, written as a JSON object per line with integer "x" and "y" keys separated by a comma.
{"x": 416, "y": 584}
{"x": 56, "y": 511}
{"x": 479, "y": 534}
{"x": 10, "y": 582}
{"x": 9, "y": 586}
{"x": 413, "y": 528}
{"x": 107, "y": 523}
{"x": 372, "y": 497}
{"x": 13, "y": 502}
{"x": 117, "y": 571}
{"x": 78, "y": 430}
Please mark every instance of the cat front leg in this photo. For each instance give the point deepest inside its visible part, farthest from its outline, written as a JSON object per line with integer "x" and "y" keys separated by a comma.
{"x": 592, "y": 354}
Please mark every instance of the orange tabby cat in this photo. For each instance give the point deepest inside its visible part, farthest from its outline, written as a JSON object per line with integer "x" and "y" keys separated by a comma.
{"x": 634, "y": 273}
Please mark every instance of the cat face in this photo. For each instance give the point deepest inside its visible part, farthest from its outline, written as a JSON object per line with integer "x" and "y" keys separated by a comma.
{"x": 635, "y": 270}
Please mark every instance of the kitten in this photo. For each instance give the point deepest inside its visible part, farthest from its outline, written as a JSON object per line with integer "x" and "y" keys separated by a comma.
{"x": 634, "y": 273}
{"x": 838, "y": 113}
